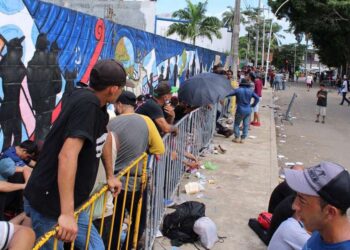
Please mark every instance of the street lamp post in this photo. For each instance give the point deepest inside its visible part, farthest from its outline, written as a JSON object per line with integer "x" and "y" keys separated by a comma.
{"x": 268, "y": 49}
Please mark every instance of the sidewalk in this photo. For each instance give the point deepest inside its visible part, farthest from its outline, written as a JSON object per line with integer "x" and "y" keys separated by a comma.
{"x": 246, "y": 175}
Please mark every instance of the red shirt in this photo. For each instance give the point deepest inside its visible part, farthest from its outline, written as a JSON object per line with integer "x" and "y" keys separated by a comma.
{"x": 258, "y": 87}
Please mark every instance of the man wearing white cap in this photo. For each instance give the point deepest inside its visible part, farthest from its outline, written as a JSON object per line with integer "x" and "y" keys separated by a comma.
{"x": 323, "y": 197}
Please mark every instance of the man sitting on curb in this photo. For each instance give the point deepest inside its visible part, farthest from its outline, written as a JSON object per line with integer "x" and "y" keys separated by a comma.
{"x": 322, "y": 200}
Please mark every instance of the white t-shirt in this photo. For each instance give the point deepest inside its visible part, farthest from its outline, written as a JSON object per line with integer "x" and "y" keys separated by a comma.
{"x": 290, "y": 235}
{"x": 6, "y": 234}
{"x": 309, "y": 79}
{"x": 345, "y": 87}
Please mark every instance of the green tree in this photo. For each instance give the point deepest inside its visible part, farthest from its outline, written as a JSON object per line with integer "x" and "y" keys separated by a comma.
{"x": 251, "y": 26}
{"x": 326, "y": 21}
{"x": 289, "y": 52}
{"x": 197, "y": 25}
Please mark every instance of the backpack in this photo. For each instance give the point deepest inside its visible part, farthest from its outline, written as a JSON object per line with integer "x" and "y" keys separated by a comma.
{"x": 178, "y": 226}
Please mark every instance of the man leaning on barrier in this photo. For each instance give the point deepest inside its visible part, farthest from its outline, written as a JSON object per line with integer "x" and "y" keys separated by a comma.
{"x": 134, "y": 134}
{"x": 158, "y": 107}
{"x": 67, "y": 166}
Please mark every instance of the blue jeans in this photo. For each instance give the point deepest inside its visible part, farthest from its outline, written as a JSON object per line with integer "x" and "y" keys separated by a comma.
{"x": 43, "y": 224}
{"x": 246, "y": 120}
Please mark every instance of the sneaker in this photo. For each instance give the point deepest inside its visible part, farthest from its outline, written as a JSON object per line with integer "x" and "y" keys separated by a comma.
{"x": 317, "y": 121}
{"x": 242, "y": 141}
{"x": 252, "y": 123}
{"x": 323, "y": 122}
{"x": 236, "y": 140}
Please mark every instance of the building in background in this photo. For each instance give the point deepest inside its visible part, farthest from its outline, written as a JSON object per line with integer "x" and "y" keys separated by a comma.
{"x": 139, "y": 14}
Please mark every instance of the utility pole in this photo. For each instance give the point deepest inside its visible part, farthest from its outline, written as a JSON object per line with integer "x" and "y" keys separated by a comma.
{"x": 257, "y": 36}
{"x": 235, "y": 41}
{"x": 307, "y": 45}
{"x": 263, "y": 45}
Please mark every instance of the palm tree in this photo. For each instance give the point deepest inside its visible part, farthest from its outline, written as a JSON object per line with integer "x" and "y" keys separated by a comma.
{"x": 228, "y": 21}
{"x": 196, "y": 25}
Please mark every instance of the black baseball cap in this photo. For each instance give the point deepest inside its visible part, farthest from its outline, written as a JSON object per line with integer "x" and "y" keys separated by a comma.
{"x": 327, "y": 180}
{"x": 108, "y": 72}
{"x": 162, "y": 89}
{"x": 128, "y": 98}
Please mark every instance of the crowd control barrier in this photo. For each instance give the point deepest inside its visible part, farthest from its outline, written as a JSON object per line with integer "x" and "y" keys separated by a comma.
{"x": 160, "y": 180}
{"x": 127, "y": 205}
{"x": 195, "y": 133}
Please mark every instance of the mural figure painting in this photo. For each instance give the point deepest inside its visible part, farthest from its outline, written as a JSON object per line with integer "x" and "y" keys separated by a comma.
{"x": 44, "y": 56}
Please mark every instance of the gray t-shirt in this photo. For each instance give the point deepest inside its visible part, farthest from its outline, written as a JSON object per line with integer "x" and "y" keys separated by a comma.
{"x": 290, "y": 235}
{"x": 131, "y": 135}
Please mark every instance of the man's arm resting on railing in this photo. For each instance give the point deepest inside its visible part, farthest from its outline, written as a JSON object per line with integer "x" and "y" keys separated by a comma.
{"x": 113, "y": 183}
{"x": 67, "y": 168}
{"x": 166, "y": 127}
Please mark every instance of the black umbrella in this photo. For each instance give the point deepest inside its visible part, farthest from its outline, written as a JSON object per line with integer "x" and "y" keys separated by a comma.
{"x": 204, "y": 89}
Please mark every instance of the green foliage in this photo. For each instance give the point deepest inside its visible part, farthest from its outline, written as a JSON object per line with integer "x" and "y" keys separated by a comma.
{"x": 198, "y": 24}
{"x": 327, "y": 22}
{"x": 288, "y": 52}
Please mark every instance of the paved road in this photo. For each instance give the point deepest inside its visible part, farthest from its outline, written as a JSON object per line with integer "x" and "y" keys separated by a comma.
{"x": 310, "y": 142}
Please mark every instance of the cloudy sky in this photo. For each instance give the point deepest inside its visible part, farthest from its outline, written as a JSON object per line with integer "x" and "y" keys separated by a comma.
{"x": 217, "y": 7}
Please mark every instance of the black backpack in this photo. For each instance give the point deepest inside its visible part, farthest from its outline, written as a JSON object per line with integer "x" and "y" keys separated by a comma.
{"x": 178, "y": 226}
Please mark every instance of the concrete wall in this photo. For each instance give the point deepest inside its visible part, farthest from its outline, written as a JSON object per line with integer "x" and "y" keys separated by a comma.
{"x": 45, "y": 49}
{"x": 137, "y": 14}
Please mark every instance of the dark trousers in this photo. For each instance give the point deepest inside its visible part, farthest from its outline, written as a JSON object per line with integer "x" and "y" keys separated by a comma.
{"x": 344, "y": 99}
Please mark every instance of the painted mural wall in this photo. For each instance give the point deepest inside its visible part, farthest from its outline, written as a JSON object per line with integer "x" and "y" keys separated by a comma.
{"x": 46, "y": 49}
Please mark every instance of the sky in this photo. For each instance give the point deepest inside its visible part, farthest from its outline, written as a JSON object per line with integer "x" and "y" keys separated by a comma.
{"x": 217, "y": 7}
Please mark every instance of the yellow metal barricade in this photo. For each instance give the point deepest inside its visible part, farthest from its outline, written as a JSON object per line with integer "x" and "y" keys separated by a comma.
{"x": 137, "y": 170}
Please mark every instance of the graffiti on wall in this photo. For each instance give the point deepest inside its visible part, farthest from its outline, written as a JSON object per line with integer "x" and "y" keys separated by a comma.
{"x": 46, "y": 49}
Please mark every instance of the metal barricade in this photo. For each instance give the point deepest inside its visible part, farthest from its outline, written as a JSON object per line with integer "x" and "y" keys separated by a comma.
{"x": 137, "y": 170}
{"x": 287, "y": 116}
{"x": 164, "y": 176}
{"x": 195, "y": 133}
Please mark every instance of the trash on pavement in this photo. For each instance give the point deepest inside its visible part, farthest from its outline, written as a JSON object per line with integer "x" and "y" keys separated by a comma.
{"x": 206, "y": 229}
{"x": 289, "y": 164}
{"x": 193, "y": 187}
{"x": 282, "y": 141}
{"x": 159, "y": 234}
{"x": 280, "y": 156}
{"x": 210, "y": 166}
{"x": 252, "y": 137}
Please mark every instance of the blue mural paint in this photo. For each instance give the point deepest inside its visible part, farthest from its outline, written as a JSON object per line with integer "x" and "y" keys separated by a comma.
{"x": 35, "y": 33}
{"x": 9, "y": 32}
{"x": 1, "y": 90}
{"x": 145, "y": 54}
{"x": 24, "y": 133}
{"x": 1, "y": 139}
{"x": 11, "y": 7}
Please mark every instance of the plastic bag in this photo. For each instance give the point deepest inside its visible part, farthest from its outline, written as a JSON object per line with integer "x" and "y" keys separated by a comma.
{"x": 206, "y": 229}
{"x": 210, "y": 166}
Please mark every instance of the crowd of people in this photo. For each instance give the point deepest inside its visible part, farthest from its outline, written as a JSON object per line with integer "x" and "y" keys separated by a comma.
{"x": 87, "y": 147}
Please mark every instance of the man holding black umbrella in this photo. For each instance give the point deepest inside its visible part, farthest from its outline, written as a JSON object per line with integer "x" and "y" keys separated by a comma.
{"x": 243, "y": 94}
